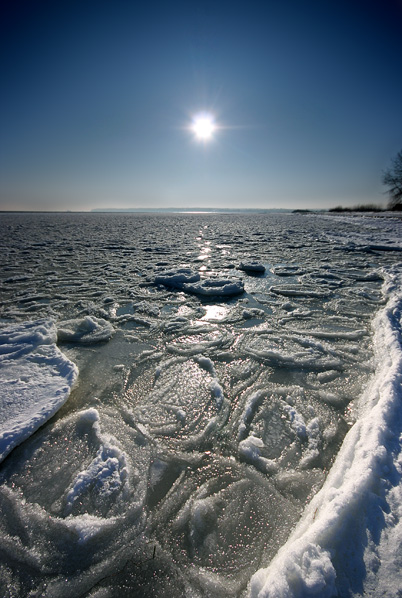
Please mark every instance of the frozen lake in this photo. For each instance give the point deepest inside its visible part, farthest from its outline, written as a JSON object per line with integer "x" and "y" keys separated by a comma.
{"x": 200, "y": 405}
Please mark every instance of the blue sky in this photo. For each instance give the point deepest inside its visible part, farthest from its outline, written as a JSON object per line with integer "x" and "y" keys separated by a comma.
{"x": 98, "y": 97}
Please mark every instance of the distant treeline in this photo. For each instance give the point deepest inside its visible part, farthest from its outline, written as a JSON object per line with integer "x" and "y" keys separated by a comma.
{"x": 367, "y": 208}
{"x": 358, "y": 208}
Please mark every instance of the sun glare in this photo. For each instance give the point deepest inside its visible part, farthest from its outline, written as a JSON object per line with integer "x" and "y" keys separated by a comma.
{"x": 203, "y": 126}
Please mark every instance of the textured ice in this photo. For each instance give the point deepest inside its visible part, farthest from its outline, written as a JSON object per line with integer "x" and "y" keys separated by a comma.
{"x": 215, "y": 445}
{"x": 299, "y": 291}
{"x": 106, "y": 475}
{"x": 86, "y": 331}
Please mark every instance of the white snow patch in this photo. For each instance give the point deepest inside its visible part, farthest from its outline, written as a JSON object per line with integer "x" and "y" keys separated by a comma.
{"x": 296, "y": 421}
{"x": 89, "y": 526}
{"x": 36, "y": 380}
{"x": 250, "y": 450}
{"x": 217, "y": 391}
{"x": 251, "y": 405}
{"x": 206, "y": 363}
{"x": 304, "y": 573}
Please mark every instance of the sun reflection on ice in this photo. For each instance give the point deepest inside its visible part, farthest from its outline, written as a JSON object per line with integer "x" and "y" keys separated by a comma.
{"x": 214, "y": 312}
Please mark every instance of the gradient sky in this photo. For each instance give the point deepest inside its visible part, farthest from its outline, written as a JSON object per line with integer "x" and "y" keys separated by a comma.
{"x": 97, "y": 98}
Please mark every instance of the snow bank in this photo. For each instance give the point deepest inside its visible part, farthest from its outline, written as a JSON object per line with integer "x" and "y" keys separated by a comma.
{"x": 353, "y": 520}
{"x": 36, "y": 379}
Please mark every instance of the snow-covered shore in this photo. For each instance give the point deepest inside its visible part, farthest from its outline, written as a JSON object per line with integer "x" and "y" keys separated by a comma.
{"x": 349, "y": 539}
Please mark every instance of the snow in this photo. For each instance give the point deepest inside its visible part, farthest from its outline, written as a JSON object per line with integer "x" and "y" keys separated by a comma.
{"x": 36, "y": 380}
{"x": 249, "y": 409}
{"x": 297, "y": 421}
{"x": 250, "y": 450}
{"x": 217, "y": 392}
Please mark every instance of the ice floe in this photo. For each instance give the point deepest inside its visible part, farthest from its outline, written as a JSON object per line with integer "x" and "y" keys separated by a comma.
{"x": 252, "y": 267}
{"x": 189, "y": 281}
{"x": 176, "y": 279}
{"x": 215, "y": 287}
{"x": 36, "y": 380}
{"x": 85, "y": 331}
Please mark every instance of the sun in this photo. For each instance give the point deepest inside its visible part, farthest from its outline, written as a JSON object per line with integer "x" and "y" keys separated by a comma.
{"x": 203, "y": 126}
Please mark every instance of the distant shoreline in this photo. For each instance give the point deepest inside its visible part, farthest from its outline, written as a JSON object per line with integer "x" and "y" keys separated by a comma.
{"x": 219, "y": 211}
{"x": 193, "y": 210}
{"x": 158, "y": 211}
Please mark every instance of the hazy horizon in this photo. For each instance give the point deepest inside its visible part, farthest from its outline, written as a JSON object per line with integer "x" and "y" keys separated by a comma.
{"x": 204, "y": 210}
{"x": 194, "y": 209}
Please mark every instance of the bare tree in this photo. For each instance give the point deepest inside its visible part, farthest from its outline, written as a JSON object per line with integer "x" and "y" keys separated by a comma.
{"x": 392, "y": 178}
